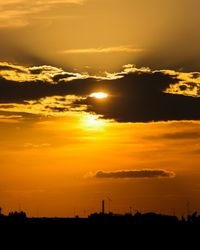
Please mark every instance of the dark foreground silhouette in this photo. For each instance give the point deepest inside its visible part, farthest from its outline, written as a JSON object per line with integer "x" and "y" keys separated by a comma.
{"x": 143, "y": 229}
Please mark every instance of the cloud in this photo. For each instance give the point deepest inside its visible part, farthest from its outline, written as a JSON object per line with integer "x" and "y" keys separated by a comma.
{"x": 188, "y": 84}
{"x": 62, "y": 1}
{"x": 143, "y": 173}
{"x": 45, "y": 73}
{"x": 135, "y": 94}
{"x": 56, "y": 106}
{"x": 32, "y": 145}
{"x": 19, "y": 84}
{"x": 192, "y": 134}
{"x": 8, "y": 118}
{"x": 141, "y": 95}
{"x": 182, "y": 135}
{"x": 100, "y": 50}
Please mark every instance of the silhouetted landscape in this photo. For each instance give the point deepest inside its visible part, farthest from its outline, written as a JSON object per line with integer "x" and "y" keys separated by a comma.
{"x": 143, "y": 228}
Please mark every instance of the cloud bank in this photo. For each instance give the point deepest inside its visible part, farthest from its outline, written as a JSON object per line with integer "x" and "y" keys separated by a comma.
{"x": 144, "y": 173}
{"x": 135, "y": 94}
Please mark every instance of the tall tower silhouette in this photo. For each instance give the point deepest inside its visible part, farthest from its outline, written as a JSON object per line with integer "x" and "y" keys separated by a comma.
{"x": 103, "y": 206}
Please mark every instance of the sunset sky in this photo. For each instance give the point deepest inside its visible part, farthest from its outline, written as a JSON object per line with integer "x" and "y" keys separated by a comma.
{"x": 99, "y": 99}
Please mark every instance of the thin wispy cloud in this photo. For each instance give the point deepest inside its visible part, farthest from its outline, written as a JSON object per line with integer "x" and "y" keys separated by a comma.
{"x": 9, "y": 118}
{"x": 33, "y": 145}
{"x": 17, "y": 13}
{"x": 100, "y": 50}
{"x": 43, "y": 2}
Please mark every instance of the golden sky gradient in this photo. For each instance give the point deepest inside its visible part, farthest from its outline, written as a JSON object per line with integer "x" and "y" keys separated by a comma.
{"x": 49, "y": 165}
{"x": 99, "y": 99}
{"x": 101, "y": 34}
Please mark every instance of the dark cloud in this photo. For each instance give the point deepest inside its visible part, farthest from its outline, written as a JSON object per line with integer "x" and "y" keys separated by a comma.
{"x": 18, "y": 83}
{"x": 140, "y": 97}
{"x": 11, "y": 67}
{"x": 144, "y": 173}
{"x": 12, "y": 91}
{"x": 135, "y": 95}
{"x": 183, "y": 135}
{"x": 196, "y": 152}
{"x": 59, "y": 77}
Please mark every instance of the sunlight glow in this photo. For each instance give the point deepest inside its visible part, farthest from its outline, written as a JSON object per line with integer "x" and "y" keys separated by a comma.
{"x": 99, "y": 95}
{"x": 93, "y": 122}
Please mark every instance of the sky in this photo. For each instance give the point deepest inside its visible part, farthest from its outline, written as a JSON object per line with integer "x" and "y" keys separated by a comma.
{"x": 99, "y": 99}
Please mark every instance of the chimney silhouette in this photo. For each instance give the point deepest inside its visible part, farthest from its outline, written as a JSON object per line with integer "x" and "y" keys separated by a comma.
{"x": 103, "y": 206}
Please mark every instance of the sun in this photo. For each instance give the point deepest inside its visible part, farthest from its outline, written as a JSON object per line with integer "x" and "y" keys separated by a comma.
{"x": 99, "y": 95}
